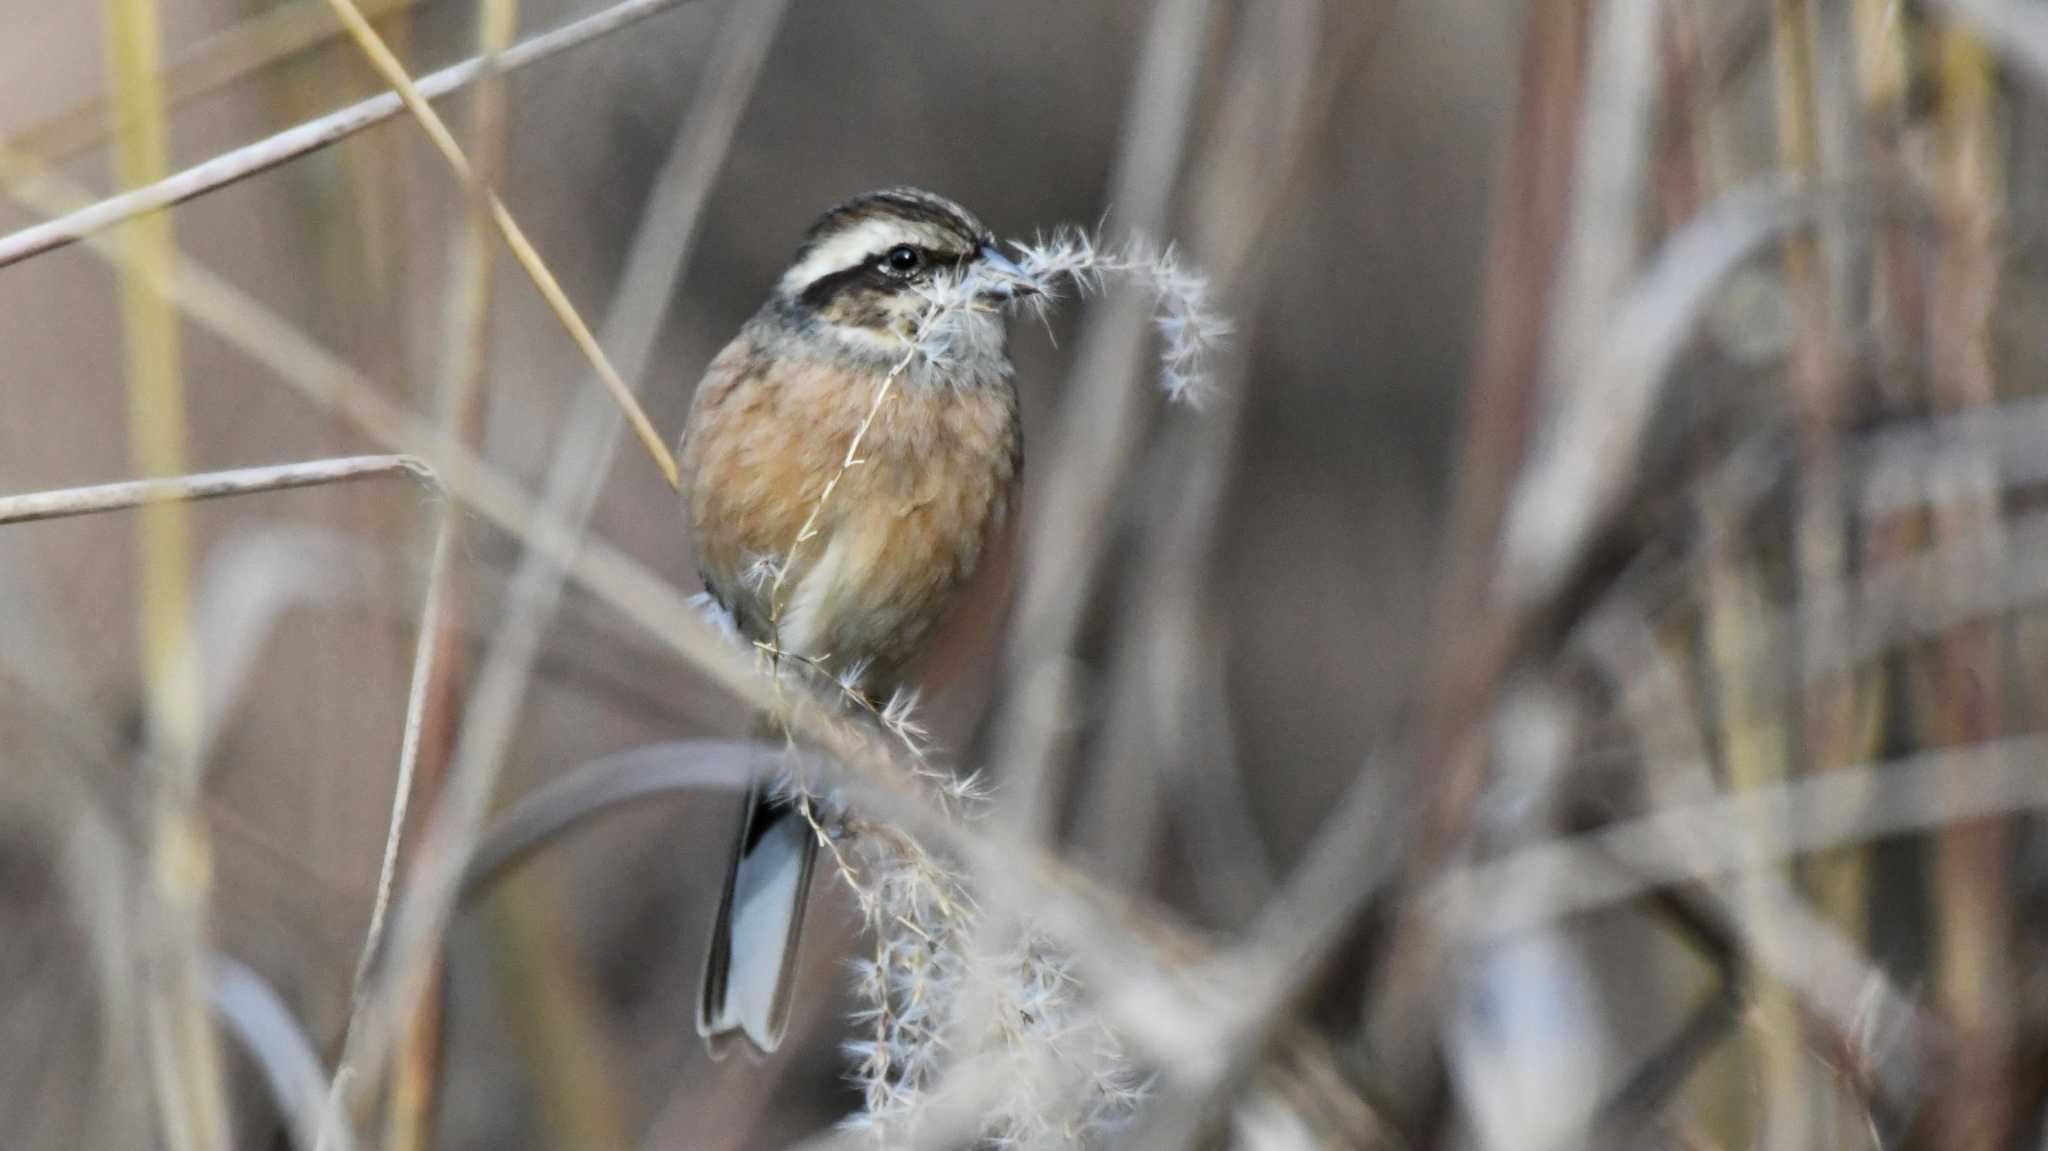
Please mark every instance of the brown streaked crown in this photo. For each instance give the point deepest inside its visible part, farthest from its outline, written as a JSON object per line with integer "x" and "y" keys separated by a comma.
{"x": 910, "y": 205}
{"x": 861, "y": 259}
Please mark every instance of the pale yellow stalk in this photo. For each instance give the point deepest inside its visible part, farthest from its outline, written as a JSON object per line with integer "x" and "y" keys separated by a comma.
{"x": 185, "y": 1060}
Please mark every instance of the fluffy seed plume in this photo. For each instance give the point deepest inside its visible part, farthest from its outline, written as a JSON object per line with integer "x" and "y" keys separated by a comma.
{"x": 932, "y": 997}
{"x": 1071, "y": 261}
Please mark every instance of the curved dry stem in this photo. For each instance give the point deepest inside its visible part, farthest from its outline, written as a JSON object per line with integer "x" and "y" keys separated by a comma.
{"x": 283, "y": 1054}
{"x": 657, "y": 771}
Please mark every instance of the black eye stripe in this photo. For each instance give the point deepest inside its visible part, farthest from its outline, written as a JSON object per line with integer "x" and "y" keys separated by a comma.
{"x": 872, "y": 273}
{"x": 827, "y": 287}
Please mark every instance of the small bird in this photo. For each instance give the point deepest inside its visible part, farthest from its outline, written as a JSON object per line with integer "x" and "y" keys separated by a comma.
{"x": 928, "y": 510}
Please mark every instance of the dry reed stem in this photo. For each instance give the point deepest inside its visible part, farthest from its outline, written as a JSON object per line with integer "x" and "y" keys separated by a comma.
{"x": 1247, "y": 171}
{"x": 1706, "y": 838}
{"x": 1593, "y": 416}
{"x": 1820, "y": 141}
{"x": 1062, "y": 553}
{"x": 529, "y": 259}
{"x": 30, "y": 507}
{"x": 184, "y": 1058}
{"x": 1850, "y": 1001}
{"x": 559, "y": 1043}
{"x": 1756, "y": 752}
{"x": 1791, "y": 1118}
{"x": 466, "y": 354}
{"x": 101, "y": 498}
{"x": 82, "y": 220}
{"x": 578, "y": 470}
{"x": 1976, "y": 979}
{"x": 214, "y": 63}
{"x": 576, "y": 474}
{"x": 410, "y": 1113}
{"x": 424, "y": 669}
{"x": 1527, "y": 220}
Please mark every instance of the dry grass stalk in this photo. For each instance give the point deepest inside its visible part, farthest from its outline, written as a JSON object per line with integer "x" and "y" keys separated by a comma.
{"x": 1977, "y": 983}
{"x": 30, "y": 507}
{"x": 1062, "y": 552}
{"x": 581, "y": 1102}
{"x": 582, "y": 1098}
{"x": 244, "y": 1002}
{"x": 259, "y": 1030}
{"x": 1757, "y": 755}
{"x": 1528, "y": 218}
{"x": 410, "y": 1115}
{"x": 184, "y": 1057}
{"x": 394, "y": 73}
{"x": 1813, "y": 380}
{"x": 93, "y": 215}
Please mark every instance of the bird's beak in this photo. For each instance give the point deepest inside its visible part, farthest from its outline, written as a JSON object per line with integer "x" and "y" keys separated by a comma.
{"x": 1011, "y": 280}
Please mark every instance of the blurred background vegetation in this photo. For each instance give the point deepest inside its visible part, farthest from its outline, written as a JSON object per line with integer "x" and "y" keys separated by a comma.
{"x": 1628, "y": 405}
{"x": 1357, "y": 338}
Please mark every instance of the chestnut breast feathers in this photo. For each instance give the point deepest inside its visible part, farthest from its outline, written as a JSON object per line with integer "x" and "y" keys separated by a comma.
{"x": 903, "y": 530}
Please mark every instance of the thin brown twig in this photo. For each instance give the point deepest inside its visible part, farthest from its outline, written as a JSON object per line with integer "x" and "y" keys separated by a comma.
{"x": 409, "y": 1117}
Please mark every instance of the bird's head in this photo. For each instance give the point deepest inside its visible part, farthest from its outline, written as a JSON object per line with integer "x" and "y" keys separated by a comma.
{"x": 870, "y": 270}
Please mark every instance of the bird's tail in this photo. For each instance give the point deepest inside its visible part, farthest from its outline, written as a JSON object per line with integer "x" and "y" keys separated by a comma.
{"x": 751, "y": 965}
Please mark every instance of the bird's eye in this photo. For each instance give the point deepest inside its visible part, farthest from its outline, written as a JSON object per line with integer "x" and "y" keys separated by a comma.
{"x": 903, "y": 259}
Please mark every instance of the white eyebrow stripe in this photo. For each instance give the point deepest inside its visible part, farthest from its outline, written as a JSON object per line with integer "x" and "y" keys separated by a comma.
{"x": 854, "y": 246}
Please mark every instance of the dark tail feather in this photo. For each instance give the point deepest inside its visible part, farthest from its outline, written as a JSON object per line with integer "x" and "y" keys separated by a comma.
{"x": 752, "y": 962}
